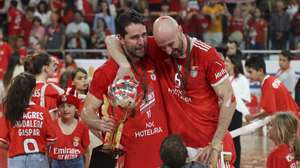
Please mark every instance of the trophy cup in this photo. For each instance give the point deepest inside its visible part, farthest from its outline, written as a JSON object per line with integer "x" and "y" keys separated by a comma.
{"x": 121, "y": 94}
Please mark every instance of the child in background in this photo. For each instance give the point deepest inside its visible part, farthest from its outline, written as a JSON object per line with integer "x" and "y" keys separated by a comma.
{"x": 25, "y": 127}
{"x": 274, "y": 95}
{"x": 283, "y": 132}
{"x": 71, "y": 148}
{"x": 174, "y": 154}
{"x": 42, "y": 66}
{"x": 80, "y": 82}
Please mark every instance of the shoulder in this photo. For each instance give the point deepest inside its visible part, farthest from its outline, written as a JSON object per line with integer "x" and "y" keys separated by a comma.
{"x": 280, "y": 152}
{"x": 204, "y": 52}
{"x": 200, "y": 45}
{"x": 109, "y": 66}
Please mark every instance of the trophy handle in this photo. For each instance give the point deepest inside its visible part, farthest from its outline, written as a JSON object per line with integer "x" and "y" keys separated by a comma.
{"x": 108, "y": 136}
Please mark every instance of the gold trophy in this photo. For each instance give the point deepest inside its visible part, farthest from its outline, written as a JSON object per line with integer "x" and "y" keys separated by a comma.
{"x": 121, "y": 94}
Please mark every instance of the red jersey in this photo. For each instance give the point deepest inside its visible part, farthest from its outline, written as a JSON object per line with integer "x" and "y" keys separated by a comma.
{"x": 5, "y": 53}
{"x": 142, "y": 134}
{"x": 26, "y": 26}
{"x": 15, "y": 20}
{"x": 276, "y": 98}
{"x": 260, "y": 26}
{"x": 193, "y": 113}
{"x": 46, "y": 95}
{"x": 281, "y": 157}
{"x": 236, "y": 25}
{"x": 70, "y": 146}
{"x": 30, "y": 134}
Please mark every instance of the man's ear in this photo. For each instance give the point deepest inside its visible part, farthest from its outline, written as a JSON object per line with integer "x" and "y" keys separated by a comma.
{"x": 261, "y": 70}
{"x": 122, "y": 39}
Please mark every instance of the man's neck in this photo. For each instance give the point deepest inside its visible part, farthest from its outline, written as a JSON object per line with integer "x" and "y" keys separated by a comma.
{"x": 261, "y": 78}
{"x": 130, "y": 57}
{"x": 41, "y": 77}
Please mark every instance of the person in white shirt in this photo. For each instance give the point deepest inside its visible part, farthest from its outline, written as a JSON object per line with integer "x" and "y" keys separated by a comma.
{"x": 77, "y": 32}
{"x": 285, "y": 73}
{"x": 241, "y": 89}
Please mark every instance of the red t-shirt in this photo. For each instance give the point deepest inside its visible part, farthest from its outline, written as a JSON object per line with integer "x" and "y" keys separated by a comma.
{"x": 236, "y": 25}
{"x": 260, "y": 27}
{"x": 45, "y": 95}
{"x": 193, "y": 115}
{"x": 281, "y": 157}
{"x": 14, "y": 25}
{"x": 5, "y": 53}
{"x": 276, "y": 98}
{"x": 30, "y": 134}
{"x": 26, "y": 26}
{"x": 142, "y": 134}
{"x": 70, "y": 146}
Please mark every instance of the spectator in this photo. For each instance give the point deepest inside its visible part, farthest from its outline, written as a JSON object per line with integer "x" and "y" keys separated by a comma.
{"x": 77, "y": 32}
{"x": 55, "y": 35}
{"x": 285, "y": 73}
{"x": 87, "y": 11}
{"x": 174, "y": 154}
{"x": 99, "y": 34}
{"x": 279, "y": 27}
{"x": 27, "y": 24}
{"x": 292, "y": 8}
{"x": 67, "y": 12}
{"x": 164, "y": 10}
{"x": 283, "y": 132}
{"x": 25, "y": 149}
{"x": 236, "y": 22}
{"x": 14, "y": 68}
{"x": 295, "y": 29}
{"x": 15, "y": 18}
{"x": 104, "y": 13}
{"x": 233, "y": 50}
{"x": 241, "y": 90}
{"x": 69, "y": 62}
{"x": 5, "y": 53}
{"x": 214, "y": 35}
{"x": 258, "y": 31}
{"x": 43, "y": 12}
{"x": 274, "y": 95}
{"x": 21, "y": 49}
{"x": 193, "y": 22}
{"x": 141, "y": 5}
{"x": 72, "y": 134}
{"x": 80, "y": 82}
{"x": 37, "y": 32}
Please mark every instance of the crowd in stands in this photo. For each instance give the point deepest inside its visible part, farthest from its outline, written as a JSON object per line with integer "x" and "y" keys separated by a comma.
{"x": 83, "y": 24}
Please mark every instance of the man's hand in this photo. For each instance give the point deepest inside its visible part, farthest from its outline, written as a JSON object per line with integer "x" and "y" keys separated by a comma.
{"x": 124, "y": 70}
{"x": 249, "y": 118}
{"x": 107, "y": 124}
{"x": 210, "y": 155}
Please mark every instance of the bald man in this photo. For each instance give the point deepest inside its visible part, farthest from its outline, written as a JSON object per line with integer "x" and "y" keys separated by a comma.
{"x": 196, "y": 89}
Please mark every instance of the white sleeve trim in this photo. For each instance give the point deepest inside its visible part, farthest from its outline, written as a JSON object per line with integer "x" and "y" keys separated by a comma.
{"x": 221, "y": 80}
{"x": 3, "y": 140}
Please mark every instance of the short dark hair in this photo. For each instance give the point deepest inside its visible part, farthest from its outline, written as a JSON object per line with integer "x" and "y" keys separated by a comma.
{"x": 256, "y": 62}
{"x": 173, "y": 152}
{"x": 79, "y": 69}
{"x": 234, "y": 42}
{"x": 287, "y": 54}
{"x": 14, "y": 3}
{"x": 126, "y": 18}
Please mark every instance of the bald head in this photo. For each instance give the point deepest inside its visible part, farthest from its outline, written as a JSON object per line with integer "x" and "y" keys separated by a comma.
{"x": 169, "y": 36}
{"x": 164, "y": 28}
